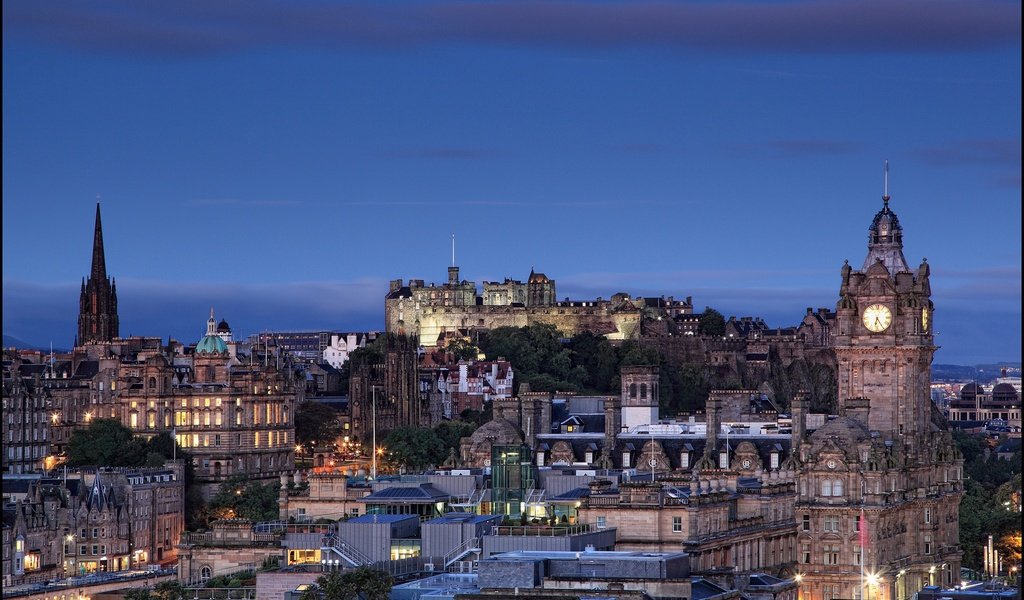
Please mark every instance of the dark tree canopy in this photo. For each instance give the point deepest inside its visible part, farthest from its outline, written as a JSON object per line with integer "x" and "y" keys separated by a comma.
{"x": 316, "y": 424}
{"x": 415, "y": 448}
{"x": 106, "y": 443}
{"x": 240, "y": 497}
{"x": 363, "y": 583}
{"x": 711, "y": 322}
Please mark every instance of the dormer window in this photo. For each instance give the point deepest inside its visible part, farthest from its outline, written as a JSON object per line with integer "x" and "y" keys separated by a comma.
{"x": 684, "y": 460}
{"x": 723, "y": 460}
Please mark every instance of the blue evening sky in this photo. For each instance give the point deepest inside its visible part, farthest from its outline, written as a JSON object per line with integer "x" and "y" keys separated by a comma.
{"x": 282, "y": 161}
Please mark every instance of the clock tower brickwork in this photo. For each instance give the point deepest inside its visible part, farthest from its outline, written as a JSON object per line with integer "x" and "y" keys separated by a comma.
{"x": 880, "y": 486}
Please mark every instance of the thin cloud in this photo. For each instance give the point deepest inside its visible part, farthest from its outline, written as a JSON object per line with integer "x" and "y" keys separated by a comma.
{"x": 444, "y": 153}
{"x": 1000, "y": 152}
{"x": 202, "y": 28}
{"x": 787, "y": 149}
{"x": 241, "y": 202}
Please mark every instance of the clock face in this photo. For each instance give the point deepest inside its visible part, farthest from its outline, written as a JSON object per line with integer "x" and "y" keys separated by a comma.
{"x": 831, "y": 464}
{"x": 924, "y": 319}
{"x": 653, "y": 462}
{"x": 746, "y": 463}
{"x": 877, "y": 317}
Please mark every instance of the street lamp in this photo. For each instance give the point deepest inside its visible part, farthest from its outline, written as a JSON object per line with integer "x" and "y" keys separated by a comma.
{"x": 69, "y": 542}
{"x": 373, "y": 412}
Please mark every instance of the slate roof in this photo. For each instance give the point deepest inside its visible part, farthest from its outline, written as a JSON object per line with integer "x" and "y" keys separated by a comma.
{"x": 701, "y": 588}
{"x": 573, "y": 495}
{"x": 424, "y": 493}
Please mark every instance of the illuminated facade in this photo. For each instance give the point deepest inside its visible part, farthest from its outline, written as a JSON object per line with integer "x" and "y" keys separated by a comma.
{"x": 880, "y": 486}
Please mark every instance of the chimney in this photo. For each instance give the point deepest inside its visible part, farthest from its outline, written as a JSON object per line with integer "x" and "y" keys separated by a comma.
{"x": 612, "y": 420}
{"x": 396, "y": 284}
{"x": 857, "y": 408}
{"x": 713, "y": 410}
{"x": 799, "y": 410}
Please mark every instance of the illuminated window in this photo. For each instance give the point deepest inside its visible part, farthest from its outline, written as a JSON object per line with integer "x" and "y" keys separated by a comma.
{"x": 218, "y": 418}
{"x": 206, "y": 402}
{"x": 151, "y": 421}
{"x": 256, "y": 439}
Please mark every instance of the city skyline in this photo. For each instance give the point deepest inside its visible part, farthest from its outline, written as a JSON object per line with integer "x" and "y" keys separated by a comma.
{"x": 284, "y": 179}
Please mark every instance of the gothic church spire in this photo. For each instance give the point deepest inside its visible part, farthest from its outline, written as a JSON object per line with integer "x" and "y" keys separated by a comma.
{"x": 97, "y": 312}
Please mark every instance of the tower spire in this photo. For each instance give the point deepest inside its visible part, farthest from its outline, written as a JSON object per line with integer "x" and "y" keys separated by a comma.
{"x": 99, "y": 263}
{"x": 885, "y": 188}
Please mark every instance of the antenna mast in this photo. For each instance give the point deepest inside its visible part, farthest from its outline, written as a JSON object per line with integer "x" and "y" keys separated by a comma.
{"x": 453, "y": 249}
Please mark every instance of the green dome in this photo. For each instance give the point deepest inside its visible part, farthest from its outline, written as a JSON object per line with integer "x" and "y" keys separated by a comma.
{"x": 211, "y": 344}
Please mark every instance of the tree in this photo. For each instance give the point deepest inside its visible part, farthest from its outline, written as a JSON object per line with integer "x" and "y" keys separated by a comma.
{"x": 106, "y": 443}
{"x": 415, "y": 447}
{"x": 462, "y": 348}
{"x": 711, "y": 322}
{"x": 363, "y": 583}
{"x": 165, "y": 590}
{"x": 316, "y": 424}
{"x": 240, "y": 497}
{"x": 451, "y": 433}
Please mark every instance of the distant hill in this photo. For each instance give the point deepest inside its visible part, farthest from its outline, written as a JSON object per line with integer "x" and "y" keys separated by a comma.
{"x": 13, "y": 342}
{"x": 982, "y": 373}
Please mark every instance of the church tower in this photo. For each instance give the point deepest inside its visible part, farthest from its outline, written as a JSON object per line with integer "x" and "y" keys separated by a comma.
{"x": 880, "y": 485}
{"x": 97, "y": 313}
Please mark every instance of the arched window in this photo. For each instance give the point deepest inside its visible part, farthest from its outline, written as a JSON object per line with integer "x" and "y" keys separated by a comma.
{"x": 152, "y": 383}
{"x": 643, "y": 391}
{"x": 632, "y": 390}
{"x": 205, "y": 573}
{"x": 837, "y": 487}
{"x": 826, "y": 487}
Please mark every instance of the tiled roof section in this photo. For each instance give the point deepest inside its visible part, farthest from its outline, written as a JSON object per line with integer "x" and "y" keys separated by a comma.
{"x": 421, "y": 494}
{"x": 572, "y": 495}
{"x": 402, "y": 292}
{"x": 701, "y": 589}
{"x": 87, "y": 369}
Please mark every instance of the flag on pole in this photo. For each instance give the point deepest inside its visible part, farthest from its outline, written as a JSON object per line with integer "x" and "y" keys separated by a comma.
{"x": 863, "y": 534}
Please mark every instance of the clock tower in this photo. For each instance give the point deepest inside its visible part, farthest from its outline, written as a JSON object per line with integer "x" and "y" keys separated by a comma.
{"x": 884, "y": 343}
{"x": 880, "y": 483}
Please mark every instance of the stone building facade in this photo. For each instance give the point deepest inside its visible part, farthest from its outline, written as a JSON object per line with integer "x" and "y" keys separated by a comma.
{"x": 430, "y": 311}
{"x": 232, "y": 417}
{"x": 27, "y": 409}
{"x": 95, "y": 521}
{"x": 386, "y": 394}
